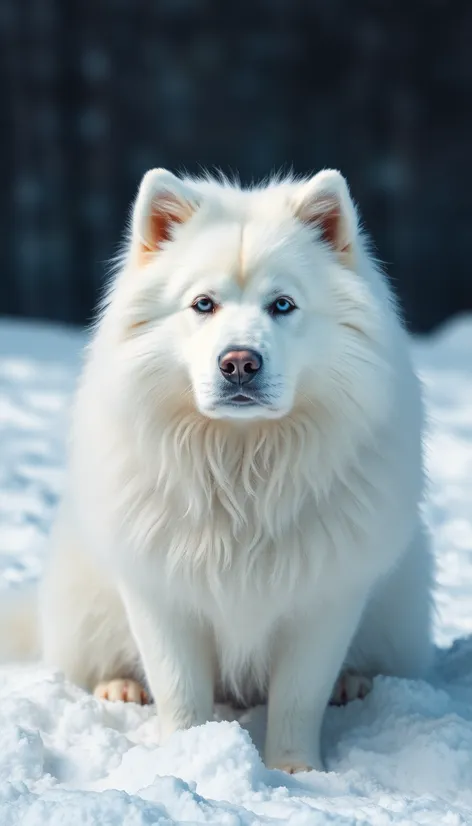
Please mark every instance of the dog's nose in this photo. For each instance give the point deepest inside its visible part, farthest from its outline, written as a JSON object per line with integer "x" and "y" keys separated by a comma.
{"x": 240, "y": 366}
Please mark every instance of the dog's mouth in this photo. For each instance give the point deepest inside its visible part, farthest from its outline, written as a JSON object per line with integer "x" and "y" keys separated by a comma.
{"x": 247, "y": 405}
{"x": 242, "y": 399}
{"x": 243, "y": 403}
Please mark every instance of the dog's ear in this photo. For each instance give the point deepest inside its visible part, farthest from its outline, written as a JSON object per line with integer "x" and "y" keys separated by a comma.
{"x": 162, "y": 202}
{"x": 324, "y": 203}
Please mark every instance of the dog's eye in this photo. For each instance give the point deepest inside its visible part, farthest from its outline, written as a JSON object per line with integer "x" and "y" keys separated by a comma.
{"x": 282, "y": 306}
{"x": 204, "y": 305}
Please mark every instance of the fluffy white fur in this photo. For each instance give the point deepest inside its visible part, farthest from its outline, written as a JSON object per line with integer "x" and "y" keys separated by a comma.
{"x": 249, "y": 551}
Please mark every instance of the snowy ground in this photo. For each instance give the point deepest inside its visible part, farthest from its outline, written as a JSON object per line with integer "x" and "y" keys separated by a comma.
{"x": 402, "y": 756}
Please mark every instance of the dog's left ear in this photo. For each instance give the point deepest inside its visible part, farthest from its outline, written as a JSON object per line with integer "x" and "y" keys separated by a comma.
{"x": 324, "y": 203}
{"x": 163, "y": 201}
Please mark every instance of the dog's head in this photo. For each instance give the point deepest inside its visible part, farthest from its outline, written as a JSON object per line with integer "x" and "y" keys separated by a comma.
{"x": 245, "y": 303}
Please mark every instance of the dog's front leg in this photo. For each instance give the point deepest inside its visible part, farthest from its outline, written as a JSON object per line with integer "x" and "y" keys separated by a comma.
{"x": 308, "y": 656}
{"x": 176, "y": 653}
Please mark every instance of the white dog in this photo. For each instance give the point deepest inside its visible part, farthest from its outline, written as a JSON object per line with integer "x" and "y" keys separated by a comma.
{"x": 241, "y": 515}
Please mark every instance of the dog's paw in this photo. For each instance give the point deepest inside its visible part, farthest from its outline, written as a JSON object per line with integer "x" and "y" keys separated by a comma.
{"x": 292, "y": 763}
{"x": 126, "y": 691}
{"x": 293, "y": 767}
{"x": 350, "y": 685}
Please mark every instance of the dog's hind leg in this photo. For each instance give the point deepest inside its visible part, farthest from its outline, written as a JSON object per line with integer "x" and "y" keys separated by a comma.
{"x": 394, "y": 637}
{"x": 84, "y": 627}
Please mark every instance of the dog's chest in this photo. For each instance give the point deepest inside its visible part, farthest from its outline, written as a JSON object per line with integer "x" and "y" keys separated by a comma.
{"x": 247, "y": 539}
{"x": 246, "y": 572}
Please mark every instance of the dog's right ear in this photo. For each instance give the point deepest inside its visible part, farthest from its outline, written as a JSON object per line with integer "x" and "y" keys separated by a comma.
{"x": 162, "y": 202}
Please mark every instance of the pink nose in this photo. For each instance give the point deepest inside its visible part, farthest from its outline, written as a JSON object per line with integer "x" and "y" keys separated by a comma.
{"x": 239, "y": 366}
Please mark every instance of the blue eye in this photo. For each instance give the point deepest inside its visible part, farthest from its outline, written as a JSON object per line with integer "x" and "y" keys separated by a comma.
{"x": 204, "y": 305}
{"x": 282, "y": 306}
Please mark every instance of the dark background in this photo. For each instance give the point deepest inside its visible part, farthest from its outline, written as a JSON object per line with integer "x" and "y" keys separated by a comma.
{"x": 94, "y": 92}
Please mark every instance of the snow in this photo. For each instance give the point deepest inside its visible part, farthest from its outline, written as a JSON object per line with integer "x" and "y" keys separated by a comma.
{"x": 402, "y": 756}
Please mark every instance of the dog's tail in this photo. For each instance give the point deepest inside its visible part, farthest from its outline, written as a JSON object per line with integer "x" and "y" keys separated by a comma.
{"x": 19, "y": 625}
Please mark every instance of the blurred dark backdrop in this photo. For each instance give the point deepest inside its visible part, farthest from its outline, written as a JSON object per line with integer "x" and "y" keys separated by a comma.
{"x": 94, "y": 92}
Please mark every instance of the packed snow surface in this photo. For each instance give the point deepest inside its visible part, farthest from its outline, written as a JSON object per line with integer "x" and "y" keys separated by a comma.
{"x": 402, "y": 756}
